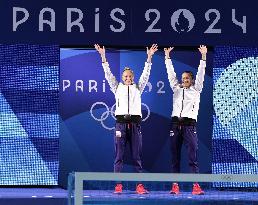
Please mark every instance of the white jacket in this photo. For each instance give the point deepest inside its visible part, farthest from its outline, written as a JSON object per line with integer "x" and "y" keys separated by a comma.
{"x": 128, "y": 98}
{"x": 186, "y": 100}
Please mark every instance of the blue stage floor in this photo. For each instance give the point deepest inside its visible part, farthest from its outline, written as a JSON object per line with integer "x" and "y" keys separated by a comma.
{"x": 29, "y": 196}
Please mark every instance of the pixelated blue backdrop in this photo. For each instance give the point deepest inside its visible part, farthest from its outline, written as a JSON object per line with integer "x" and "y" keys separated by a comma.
{"x": 235, "y": 99}
{"x": 29, "y": 120}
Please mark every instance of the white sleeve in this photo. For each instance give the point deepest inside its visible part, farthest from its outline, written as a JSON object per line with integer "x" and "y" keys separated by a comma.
{"x": 171, "y": 74}
{"x": 198, "y": 85}
{"x": 144, "y": 76}
{"x": 110, "y": 77}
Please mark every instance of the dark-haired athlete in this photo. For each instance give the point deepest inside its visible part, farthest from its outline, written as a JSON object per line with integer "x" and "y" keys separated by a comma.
{"x": 186, "y": 99}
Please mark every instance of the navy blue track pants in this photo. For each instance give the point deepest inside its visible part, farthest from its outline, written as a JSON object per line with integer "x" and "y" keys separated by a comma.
{"x": 128, "y": 133}
{"x": 179, "y": 135}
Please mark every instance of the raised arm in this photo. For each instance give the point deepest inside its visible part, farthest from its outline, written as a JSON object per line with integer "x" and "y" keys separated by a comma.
{"x": 201, "y": 69}
{"x": 170, "y": 69}
{"x": 146, "y": 71}
{"x": 108, "y": 74}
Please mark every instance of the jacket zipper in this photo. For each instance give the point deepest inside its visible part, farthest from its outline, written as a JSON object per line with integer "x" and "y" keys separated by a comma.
{"x": 128, "y": 99}
{"x": 182, "y": 102}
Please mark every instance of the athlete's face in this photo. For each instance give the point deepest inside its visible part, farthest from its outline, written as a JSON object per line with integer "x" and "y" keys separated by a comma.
{"x": 187, "y": 80}
{"x": 127, "y": 77}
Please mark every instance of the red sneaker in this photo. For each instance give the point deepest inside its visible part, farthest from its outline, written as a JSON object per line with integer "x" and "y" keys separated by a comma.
{"x": 197, "y": 189}
{"x": 141, "y": 190}
{"x": 118, "y": 189}
{"x": 175, "y": 189}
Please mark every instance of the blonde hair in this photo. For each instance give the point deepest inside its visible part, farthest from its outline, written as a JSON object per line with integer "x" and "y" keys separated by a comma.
{"x": 129, "y": 69}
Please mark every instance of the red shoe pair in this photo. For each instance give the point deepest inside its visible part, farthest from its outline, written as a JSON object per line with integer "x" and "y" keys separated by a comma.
{"x": 196, "y": 189}
{"x": 139, "y": 189}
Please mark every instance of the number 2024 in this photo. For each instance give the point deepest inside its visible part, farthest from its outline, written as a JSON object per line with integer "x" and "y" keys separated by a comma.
{"x": 190, "y": 17}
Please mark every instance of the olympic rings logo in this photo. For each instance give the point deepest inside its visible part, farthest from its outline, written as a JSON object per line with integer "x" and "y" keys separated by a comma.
{"x": 110, "y": 111}
{"x": 228, "y": 178}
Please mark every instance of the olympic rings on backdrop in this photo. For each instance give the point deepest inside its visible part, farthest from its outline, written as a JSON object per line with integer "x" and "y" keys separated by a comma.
{"x": 110, "y": 111}
{"x": 104, "y": 115}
